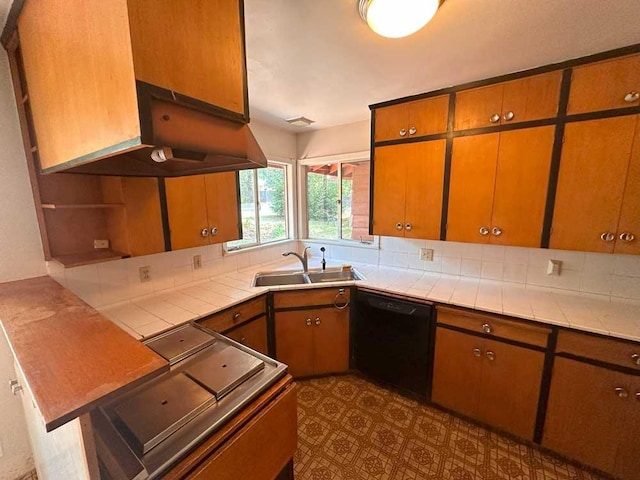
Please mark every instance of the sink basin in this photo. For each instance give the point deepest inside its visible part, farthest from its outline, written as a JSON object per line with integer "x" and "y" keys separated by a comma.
{"x": 334, "y": 276}
{"x": 270, "y": 279}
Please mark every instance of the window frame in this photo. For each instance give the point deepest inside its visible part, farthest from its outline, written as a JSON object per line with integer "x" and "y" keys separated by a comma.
{"x": 303, "y": 218}
{"x": 288, "y": 208}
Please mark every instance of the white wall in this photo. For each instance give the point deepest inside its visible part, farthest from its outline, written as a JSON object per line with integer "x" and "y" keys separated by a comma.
{"x": 276, "y": 144}
{"x": 350, "y": 138}
{"x": 20, "y": 257}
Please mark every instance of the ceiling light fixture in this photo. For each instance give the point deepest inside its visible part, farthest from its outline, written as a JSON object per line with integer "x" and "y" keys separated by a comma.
{"x": 299, "y": 121}
{"x": 397, "y": 18}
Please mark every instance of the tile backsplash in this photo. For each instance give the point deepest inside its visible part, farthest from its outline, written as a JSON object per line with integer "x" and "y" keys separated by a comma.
{"x": 119, "y": 281}
{"x": 614, "y": 276}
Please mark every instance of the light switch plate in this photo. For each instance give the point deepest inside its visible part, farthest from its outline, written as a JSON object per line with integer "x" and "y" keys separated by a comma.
{"x": 426, "y": 254}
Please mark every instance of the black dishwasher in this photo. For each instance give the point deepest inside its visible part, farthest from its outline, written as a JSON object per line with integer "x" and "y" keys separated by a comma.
{"x": 393, "y": 341}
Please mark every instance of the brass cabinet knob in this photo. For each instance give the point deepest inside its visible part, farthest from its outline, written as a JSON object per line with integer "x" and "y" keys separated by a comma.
{"x": 413, "y": 130}
{"x": 403, "y": 132}
{"x": 621, "y": 392}
{"x": 399, "y": 226}
{"x": 627, "y": 237}
{"x": 484, "y": 231}
{"x": 497, "y": 231}
{"x": 236, "y": 316}
{"x": 638, "y": 396}
{"x": 635, "y": 358}
{"x": 204, "y": 232}
{"x": 495, "y": 118}
{"x": 490, "y": 355}
{"x": 486, "y": 328}
{"x": 477, "y": 352}
{"x": 408, "y": 227}
{"x": 607, "y": 237}
{"x": 509, "y": 116}
{"x": 632, "y": 97}
{"x": 308, "y": 322}
{"x": 214, "y": 230}
{"x": 317, "y": 320}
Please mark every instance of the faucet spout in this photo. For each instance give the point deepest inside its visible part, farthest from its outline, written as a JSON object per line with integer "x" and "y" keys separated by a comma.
{"x": 303, "y": 258}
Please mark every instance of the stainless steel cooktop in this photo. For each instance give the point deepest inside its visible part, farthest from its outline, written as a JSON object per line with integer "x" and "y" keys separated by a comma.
{"x": 211, "y": 379}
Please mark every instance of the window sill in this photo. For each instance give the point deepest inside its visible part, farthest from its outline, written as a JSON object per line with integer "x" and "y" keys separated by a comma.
{"x": 375, "y": 245}
{"x": 254, "y": 248}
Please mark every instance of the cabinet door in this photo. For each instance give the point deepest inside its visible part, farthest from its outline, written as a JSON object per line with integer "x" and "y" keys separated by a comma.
{"x": 510, "y": 387}
{"x": 331, "y": 341}
{"x": 423, "y": 198}
{"x": 593, "y": 168}
{"x": 475, "y": 107}
{"x": 531, "y": 98}
{"x": 294, "y": 341}
{"x": 630, "y": 215}
{"x": 389, "y": 188}
{"x": 604, "y": 85}
{"x": 627, "y": 463}
{"x": 252, "y": 334}
{"x": 390, "y": 121}
{"x": 429, "y": 116}
{"x": 585, "y": 415}
{"x": 187, "y": 211}
{"x": 521, "y": 185}
{"x": 457, "y": 371}
{"x": 197, "y": 50}
{"x": 473, "y": 172}
{"x": 222, "y": 206}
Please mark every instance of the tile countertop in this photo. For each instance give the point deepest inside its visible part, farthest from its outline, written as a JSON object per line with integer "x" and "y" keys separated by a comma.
{"x": 592, "y": 313}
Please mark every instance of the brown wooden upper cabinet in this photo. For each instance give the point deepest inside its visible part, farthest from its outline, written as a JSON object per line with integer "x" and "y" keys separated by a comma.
{"x": 203, "y": 209}
{"x": 498, "y": 187}
{"x": 605, "y": 85}
{"x": 407, "y": 190}
{"x": 597, "y": 206}
{"x": 412, "y": 119}
{"x": 530, "y": 98}
{"x": 105, "y": 54}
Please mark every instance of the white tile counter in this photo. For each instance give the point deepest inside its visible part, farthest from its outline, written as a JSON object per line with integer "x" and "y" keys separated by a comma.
{"x": 592, "y": 313}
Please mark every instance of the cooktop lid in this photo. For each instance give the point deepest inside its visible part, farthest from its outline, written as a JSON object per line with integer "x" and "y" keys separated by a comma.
{"x": 151, "y": 415}
{"x": 223, "y": 368}
{"x": 180, "y": 343}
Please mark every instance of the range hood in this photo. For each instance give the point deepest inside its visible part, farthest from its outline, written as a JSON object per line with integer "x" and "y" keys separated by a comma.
{"x": 178, "y": 140}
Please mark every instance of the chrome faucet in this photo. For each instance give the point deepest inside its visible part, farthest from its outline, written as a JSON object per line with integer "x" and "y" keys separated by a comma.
{"x": 303, "y": 258}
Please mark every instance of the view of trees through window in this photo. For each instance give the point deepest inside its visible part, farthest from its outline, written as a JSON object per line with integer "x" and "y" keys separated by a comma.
{"x": 263, "y": 203}
{"x": 338, "y": 201}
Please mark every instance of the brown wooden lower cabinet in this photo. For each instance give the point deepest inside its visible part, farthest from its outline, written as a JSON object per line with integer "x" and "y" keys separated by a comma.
{"x": 314, "y": 341}
{"x": 491, "y": 381}
{"x": 593, "y": 416}
{"x": 253, "y": 334}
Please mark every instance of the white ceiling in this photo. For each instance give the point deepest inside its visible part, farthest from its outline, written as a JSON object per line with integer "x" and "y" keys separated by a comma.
{"x": 319, "y": 59}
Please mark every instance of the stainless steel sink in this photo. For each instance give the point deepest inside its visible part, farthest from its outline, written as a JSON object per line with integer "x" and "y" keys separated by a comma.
{"x": 268, "y": 279}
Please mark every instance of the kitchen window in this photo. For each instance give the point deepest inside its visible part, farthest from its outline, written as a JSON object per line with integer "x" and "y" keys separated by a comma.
{"x": 264, "y": 206}
{"x": 337, "y": 200}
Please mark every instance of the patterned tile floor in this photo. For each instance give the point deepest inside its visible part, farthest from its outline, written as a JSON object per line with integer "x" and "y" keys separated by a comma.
{"x": 351, "y": 429}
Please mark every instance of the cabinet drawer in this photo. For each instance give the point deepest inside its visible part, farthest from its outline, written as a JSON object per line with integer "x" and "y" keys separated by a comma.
{"x": 261, "y": 449}
{"x": 607, "y": 350}
{"x": 308, "y": 298}
{"x": 220, "y": 322}
{"x": 494, "y": 326}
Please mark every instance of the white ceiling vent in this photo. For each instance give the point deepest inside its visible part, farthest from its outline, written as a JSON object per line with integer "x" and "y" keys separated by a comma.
{"x": 299, "y": 121}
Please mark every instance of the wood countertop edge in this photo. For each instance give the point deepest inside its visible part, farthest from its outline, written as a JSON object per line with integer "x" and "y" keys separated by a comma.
{"x": 35, "y": 312}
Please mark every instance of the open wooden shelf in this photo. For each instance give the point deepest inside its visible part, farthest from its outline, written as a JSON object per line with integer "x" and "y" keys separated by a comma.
{"x": 55, "y": 206}
{"x": 86, "y": 258}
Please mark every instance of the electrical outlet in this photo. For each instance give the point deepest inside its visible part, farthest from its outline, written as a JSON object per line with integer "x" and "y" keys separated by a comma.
{"x": 197, "y": 262}
{"x": 101, "y": 244}
{"x": 145, "y": 274}
{"x": 426, "y": 254}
